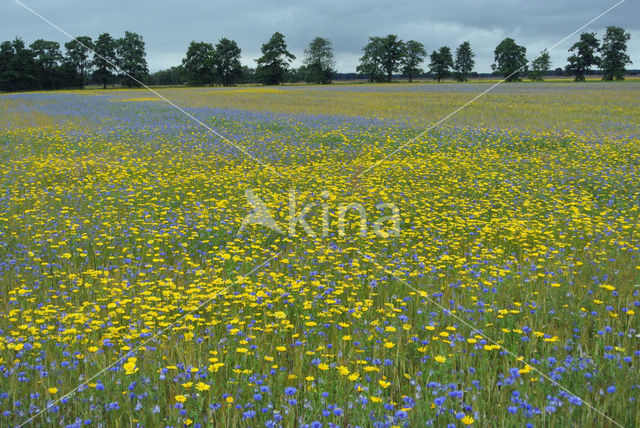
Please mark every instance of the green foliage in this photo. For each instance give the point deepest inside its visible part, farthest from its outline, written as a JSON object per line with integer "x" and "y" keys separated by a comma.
{"x": 381, "y": 57}
{"x": 319, "y": 62}
{"x": 584, "y": 58}
{"x": 370, "y": 61}
{"x": 78, "y": 56}
{"x": 48, "y": 58}
{"x": 441, "y": 63}
{"x": 130, "y": 51}
{"x": 274, "y": 62}
{"x": 172, "y": 76}
{"x": 199, "y": 63}
{"x": 614, "y": 53}
{"x": 227, "y": 67}
{"x": 540, "y": 66}
{"x": 510, "y": 59}
{"x": 464, "y": 62}
{"x": 391, "y": 55}
{"x": 104, "y": 59}
{"x": 17, "y": 66}
{"x": 414, "y": 55}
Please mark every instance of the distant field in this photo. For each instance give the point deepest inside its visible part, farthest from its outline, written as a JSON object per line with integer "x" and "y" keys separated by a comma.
{"x": 507, "y": 297}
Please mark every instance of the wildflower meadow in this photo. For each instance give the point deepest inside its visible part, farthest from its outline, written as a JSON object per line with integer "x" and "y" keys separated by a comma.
{"x": 319, "y": 259}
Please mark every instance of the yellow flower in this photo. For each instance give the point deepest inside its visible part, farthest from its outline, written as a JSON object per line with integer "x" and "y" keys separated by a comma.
{"x": 384, "y": 384}
{"x": 354, "y": 376}
{"x": 323, "y": 366}
{"x": 467, "y": 420}
{"x": 66, "y": 256}
{"x": 229, "y": 400}
{"x": 241, "y": 350}
{"x": 188, "y": 422}
{"x": 440, "y": 358}
{"x": 310, "y": 378}
{"x": 376, "y": 399}
{"x": 280, "y": 315}
{"x": 201, "y": 386}
{"x": 130, "y": 366}
{"x": 52, "y": 390}
{"x": 180, "y": 398}
{"x": 281, "y": 348}
{"x": 389, "y": 345}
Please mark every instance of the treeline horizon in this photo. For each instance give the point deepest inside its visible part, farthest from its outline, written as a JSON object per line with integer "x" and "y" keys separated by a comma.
{"x": 109, "y": 62}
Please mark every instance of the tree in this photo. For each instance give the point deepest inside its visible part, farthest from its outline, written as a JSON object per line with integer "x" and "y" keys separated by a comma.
{"x": 228, "y": 69}
{"x": 464, "y": 61}
{"x": 371, "y": 59}
{"x": 414, "y": 54}
{"x": 585, "y": 57}
{"x": 104, "y": 59}
{"x": 540, "y": 66}
{"x": 392, "y": 51}
{"x": 172, "y": 76}
{"x": 319, "y": 62}
{"x": 614, "y": 53}
{"x": 274, "y": 62}
{"x": 199, "y": 63}
{"x": 441, "y": 63}
{"x": 510, "y": 59}
{"x": 48, "y": 58}
{"x": 131, "y": 59}
{"x": 78, "y": 55}
{"x": 17, "y": 66}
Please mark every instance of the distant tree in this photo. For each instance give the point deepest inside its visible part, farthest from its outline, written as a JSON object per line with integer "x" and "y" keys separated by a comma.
{"x": 441, "y": 63}
{"x": 131, "y": 55}
{"x": 413, "y": 56}
{"x": 392, "y": 51}
{"x": 274, "y": 62}
{"x": 104, "y": 59}
{"x": 199, "y": 63}
{"x": 228, "y": 70}
{"x": 614, "y": 53}
{"x": 558, "y": 71}
{"x": 464, "y": 62}
{"x": 371, "y": 59}
{"x": 248, "y": 75}
{"x": 48, "y": 58}
{"x": 318, "y": 61}
{"x": 585, "y": 56}
{"x": 172, "y": 76}
{"x": 17, "y": 66}
{"x": 540, "y": 66}
{"x": 510, "y": 59}
{"x": 78, "y": 55}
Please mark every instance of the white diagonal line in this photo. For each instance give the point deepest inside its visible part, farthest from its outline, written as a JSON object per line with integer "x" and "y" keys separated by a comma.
{"x": 162, "y": 97}
{"x": 481, "y": 94}
{"x": 422, "y": 293}
{"x": 128, "y": 354}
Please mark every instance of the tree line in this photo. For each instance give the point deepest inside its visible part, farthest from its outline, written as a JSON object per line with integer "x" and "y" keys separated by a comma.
{"x": 42, "y": 65}
{"x": 108, "y": 61}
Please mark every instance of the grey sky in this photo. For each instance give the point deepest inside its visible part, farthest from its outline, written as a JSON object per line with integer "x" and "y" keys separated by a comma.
{"x": 169, "y": 26}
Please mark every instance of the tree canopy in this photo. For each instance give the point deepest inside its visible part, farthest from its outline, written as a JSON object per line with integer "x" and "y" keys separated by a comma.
{"x": 510, "y": 59}
{"x": 464, "y": 61}
{"x": 274, "y": 62}
{"x": 585, "y": 56}
{"x": 319, "y": 61}
{"x": 614, "y": 53}
{"x": 441, "y": 63}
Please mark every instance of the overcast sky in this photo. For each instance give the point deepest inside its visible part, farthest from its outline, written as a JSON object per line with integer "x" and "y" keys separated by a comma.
{"x": 169, "y": 26}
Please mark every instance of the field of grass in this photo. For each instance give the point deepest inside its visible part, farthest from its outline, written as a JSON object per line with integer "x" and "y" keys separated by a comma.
{"x": 130, "y": 296}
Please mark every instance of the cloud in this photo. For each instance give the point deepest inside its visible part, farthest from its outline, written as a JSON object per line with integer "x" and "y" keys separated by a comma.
{"x": 168, "y": 27}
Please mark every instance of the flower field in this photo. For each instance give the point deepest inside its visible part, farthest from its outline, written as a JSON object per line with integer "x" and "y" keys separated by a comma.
{"x": 130, "y": 296}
